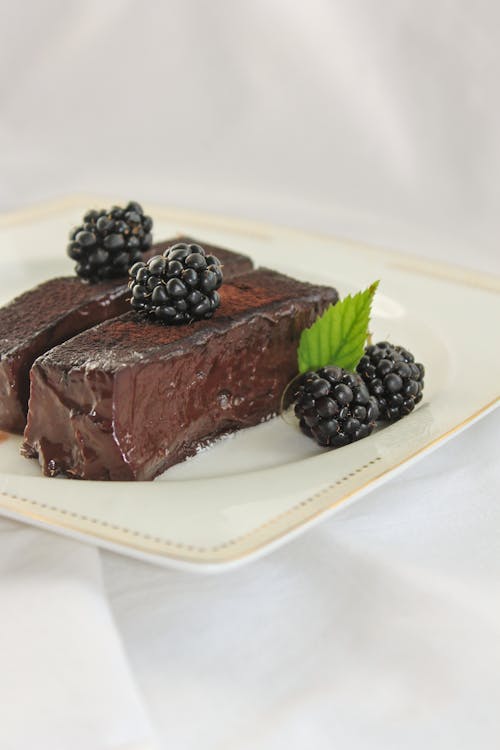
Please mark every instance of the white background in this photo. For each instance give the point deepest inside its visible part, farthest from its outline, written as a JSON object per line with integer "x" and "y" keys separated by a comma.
{"x": 375, "y": 120}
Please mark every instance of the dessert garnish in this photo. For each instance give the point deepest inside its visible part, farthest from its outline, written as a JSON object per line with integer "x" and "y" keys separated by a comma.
{"x": 338, "y": 337}
{"x": 334, "y": 406}
{"x": 179, "y": 286}
{"x": 109, "y": 242}
{"x": 345, "y": 387}
{"x": 393, "y": 377}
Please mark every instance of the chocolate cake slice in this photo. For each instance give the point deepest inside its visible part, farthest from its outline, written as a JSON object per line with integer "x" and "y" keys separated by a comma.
{"x": 129, "y": 398}
{"x": 57, "y": 310}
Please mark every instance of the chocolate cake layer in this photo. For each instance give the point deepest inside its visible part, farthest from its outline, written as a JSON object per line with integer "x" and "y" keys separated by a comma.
{"x": 58, "y": 309}
{"x": 129, "y": 398}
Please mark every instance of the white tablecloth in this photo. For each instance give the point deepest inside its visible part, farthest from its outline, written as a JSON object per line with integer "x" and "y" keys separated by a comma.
{"x": 381, "y": 627}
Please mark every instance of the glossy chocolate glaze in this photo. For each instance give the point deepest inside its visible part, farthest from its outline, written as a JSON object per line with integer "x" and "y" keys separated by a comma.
{"x": 55, "y": 311}
{"x": 129, "y": 398}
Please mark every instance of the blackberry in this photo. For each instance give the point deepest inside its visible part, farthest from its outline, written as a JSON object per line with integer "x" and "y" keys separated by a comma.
{"x": 393, "y": 377}
{"x": 109, "y": 242}
{"x": 334, "y": 407}
{"x": 179, "y": 286}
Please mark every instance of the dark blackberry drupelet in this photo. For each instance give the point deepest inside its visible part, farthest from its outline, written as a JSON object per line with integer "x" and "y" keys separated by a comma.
{"x": 393, "y": 377}
{"x": 334, "y": 407}
{"x": 108, "y": 243}
{"x": 179, "y": 286}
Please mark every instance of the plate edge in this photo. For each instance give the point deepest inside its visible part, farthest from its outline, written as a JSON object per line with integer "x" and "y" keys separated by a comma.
{"x": 408, "y": 262}
{"x": 222, "y": 556}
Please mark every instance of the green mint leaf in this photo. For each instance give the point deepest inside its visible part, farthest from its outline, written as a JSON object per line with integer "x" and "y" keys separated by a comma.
{"x": 339, "y": 336}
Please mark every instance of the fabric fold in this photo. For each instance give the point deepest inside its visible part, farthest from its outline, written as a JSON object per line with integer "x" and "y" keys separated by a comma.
{"x": 64, "y": 681}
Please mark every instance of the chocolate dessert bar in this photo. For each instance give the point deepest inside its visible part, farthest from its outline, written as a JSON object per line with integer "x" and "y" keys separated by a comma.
{"x": 129, "y": 398}
{"x": 57, "y": 310}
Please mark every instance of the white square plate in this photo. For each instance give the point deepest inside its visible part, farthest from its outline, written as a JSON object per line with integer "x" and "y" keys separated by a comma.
{"x": 259, "y": 488}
